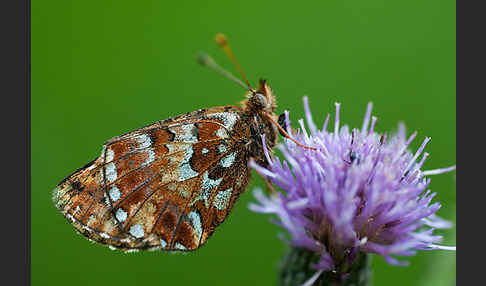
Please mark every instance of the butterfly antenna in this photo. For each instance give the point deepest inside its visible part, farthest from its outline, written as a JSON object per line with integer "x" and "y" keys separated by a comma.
{"x": 223, "y": 42}
{"x": 206, "y": 60}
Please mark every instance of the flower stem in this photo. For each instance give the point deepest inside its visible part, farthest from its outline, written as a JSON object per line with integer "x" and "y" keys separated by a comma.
{"x": 296, "y": 270}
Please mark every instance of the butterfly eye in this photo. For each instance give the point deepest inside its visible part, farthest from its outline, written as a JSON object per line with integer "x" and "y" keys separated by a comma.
{"x": 260, "y": 98}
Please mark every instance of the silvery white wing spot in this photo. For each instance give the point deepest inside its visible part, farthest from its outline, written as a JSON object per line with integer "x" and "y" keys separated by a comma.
{"x": 170, "y": 184}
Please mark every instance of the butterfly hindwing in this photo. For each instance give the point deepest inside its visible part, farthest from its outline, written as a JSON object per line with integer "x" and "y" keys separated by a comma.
{"x": 166, "y": 185}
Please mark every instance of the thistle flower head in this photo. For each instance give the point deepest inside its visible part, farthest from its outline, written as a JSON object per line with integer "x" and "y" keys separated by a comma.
{"x": 360, "y": 191}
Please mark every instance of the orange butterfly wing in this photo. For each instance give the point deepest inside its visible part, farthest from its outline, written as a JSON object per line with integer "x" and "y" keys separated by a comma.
{"x": 164, "y": 186}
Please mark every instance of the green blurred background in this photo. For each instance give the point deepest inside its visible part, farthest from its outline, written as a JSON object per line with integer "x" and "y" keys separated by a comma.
{"x": 102, "y": 68}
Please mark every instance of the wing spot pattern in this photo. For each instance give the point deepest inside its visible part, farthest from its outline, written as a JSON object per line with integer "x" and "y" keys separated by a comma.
{"x": 163, "y": 243}
{"x": 185, "y": 170}
{"x": 144, "y": 141}
{"x": 228, "y": 118}
{"x": 121, "y": 215}
{"x": 179, "y": 246}
{"x": 222, "y": 199}
{"x": 137, "y": 231}
{"x": 114, "y": 193}
{"x": 228, "y": 160}
{"x": 195, "y": 219}
{"x": 111, "y": 174}
{"x": 221, "y": 148}
{"x": 109, "y": 155}
{"x": 208, "y": 183}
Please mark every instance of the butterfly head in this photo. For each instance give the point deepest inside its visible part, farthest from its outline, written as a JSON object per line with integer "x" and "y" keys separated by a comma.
{"x": 262, "y": 99}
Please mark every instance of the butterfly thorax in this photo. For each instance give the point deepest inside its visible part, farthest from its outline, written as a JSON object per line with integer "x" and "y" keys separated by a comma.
{"x": 259, "y": 106}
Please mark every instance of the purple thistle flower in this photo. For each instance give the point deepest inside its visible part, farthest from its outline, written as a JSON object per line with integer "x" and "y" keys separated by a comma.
{"x": 358, "y": 192}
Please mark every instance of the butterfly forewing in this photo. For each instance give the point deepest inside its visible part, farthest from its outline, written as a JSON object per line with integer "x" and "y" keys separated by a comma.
{"x": 166, "y": 185}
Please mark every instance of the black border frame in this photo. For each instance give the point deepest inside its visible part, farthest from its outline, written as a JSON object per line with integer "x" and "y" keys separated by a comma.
{"x": 15, "y": 120}
{"x": 16, "y": 90}
{"x": 470, "y": 78}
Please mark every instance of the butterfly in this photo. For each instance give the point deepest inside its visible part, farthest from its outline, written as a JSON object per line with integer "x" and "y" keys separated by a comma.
{"x": 168, "y": 185}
